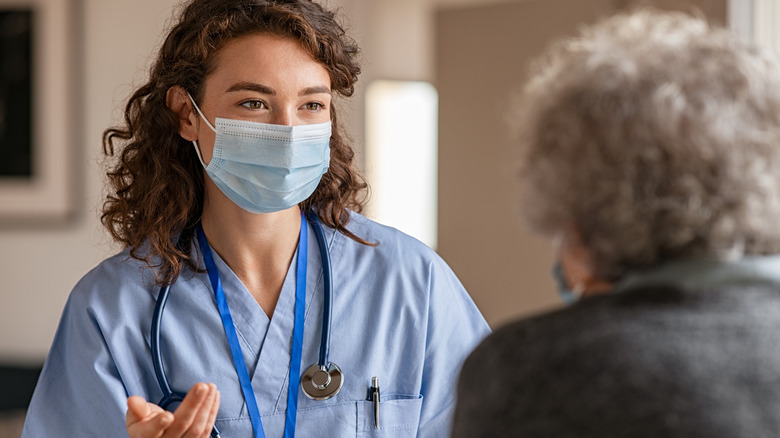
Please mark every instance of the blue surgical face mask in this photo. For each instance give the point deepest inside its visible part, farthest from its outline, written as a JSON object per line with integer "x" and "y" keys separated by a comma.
{"x": 265, "y": 168}
{"x": 568, "y": 296}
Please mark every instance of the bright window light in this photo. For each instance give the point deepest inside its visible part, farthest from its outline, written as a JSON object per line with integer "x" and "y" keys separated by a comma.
{"x": 766, "y": 18}
{"x": 741, "y": 17}
{"x": 401, "y": 156}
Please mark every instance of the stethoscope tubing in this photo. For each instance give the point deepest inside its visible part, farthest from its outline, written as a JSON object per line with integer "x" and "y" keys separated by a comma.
{"x": 159, "y": 368}
{"x": 327, "y": 305}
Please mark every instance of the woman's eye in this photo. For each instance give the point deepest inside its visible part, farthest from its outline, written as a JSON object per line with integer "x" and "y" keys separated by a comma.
{"x": 254, "y": 104}
{"x": 313, "y": 106}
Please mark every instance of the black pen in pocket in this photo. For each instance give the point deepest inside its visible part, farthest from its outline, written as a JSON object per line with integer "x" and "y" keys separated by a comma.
{"x": 373, "y": 396}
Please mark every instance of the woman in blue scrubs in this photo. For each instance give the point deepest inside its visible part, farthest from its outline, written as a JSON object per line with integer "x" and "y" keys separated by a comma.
{"x": 231, "y": 142}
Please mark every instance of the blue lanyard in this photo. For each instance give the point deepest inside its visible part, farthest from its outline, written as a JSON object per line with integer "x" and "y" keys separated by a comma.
{"x": 235, "y": 347}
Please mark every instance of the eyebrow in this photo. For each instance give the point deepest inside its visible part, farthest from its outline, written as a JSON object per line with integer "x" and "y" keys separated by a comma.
{"x": 314, "y": 90}
{"x": 251, "y": 86}
{"x": 264, "y": 89}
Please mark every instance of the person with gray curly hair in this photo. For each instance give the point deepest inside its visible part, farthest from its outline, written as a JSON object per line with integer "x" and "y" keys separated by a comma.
{"x": 652, "y": 158}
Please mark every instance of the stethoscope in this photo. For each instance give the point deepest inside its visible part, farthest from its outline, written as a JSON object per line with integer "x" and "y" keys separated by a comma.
{"x": 321, "y": 381}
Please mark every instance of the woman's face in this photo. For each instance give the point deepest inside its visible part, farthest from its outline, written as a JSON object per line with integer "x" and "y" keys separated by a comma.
{"x": 264, "y": 78}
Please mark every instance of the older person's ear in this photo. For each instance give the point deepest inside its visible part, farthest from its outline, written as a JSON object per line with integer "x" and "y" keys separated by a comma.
{"x": 179, "y": 102}
{"x": 577, "y": 264}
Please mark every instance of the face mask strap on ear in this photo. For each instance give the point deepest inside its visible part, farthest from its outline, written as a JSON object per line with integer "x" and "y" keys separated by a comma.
{"x": 194, "y": 142}
{"x": 201, "y": 113}
{"x": 197, "y": 152}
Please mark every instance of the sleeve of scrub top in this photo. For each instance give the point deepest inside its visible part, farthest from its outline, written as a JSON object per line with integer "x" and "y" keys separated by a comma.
{"x": 455, "y": 327}
{"x": 79, "y": 392}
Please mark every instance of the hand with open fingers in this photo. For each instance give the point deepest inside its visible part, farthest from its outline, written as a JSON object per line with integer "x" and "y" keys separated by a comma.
{"x": 194, "y": 418}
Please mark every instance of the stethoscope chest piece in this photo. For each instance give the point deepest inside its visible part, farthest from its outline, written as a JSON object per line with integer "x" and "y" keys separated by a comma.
{"x": 320, "y": 383}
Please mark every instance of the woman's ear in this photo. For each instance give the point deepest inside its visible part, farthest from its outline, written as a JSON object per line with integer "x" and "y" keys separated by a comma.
{"x": 179, "y": 102}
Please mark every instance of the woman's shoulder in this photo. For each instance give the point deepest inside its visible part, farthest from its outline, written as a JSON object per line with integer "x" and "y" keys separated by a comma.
{"x": 387, "y": 238}
{"x": 393, "y": 255}
{"x": 121, "y": 267}
{"x": 606, "y": 322}
{"x": 116, "y": 282}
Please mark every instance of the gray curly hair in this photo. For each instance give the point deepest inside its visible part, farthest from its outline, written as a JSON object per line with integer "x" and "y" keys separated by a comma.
{"x": 655, "y": 137}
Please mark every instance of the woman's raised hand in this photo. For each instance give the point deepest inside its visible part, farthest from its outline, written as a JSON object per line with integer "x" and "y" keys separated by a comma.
{"x": 194, "y": 418}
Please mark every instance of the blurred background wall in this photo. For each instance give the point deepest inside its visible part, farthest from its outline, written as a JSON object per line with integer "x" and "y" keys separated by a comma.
{"x": 474, "y": 52}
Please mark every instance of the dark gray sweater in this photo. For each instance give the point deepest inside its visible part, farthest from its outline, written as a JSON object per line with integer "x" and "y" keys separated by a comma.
{"x": 653, "y": 361}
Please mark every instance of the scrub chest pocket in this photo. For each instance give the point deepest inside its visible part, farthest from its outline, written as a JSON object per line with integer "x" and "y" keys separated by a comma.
{"x": 399, "y": 417}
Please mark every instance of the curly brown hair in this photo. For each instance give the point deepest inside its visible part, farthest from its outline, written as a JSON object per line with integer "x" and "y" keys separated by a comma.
{"x": 156, "y": 179}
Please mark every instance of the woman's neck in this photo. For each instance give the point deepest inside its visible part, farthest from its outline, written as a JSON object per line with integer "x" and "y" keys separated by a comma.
{"x": 258, "y": 248}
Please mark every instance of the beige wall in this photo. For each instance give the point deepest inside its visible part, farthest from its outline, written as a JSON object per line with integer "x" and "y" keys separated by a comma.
{"x": 481, "y": 57}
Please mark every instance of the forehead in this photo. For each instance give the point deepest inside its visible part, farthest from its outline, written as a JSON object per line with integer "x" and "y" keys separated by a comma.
{"x": 261, "y": 52}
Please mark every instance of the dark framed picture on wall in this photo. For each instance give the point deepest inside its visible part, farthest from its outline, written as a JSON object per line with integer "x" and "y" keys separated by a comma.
{"x": 36, "y": 112}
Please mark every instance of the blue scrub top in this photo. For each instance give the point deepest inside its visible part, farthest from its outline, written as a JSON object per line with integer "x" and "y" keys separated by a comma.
{"x": 399, "y": 313}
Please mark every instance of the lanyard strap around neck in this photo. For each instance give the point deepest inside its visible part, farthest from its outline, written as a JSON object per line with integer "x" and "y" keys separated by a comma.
{"x": 235, "y": 347}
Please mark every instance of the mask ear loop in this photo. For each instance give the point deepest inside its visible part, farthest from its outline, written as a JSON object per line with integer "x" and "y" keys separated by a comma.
{"x": 195, "y": 142}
